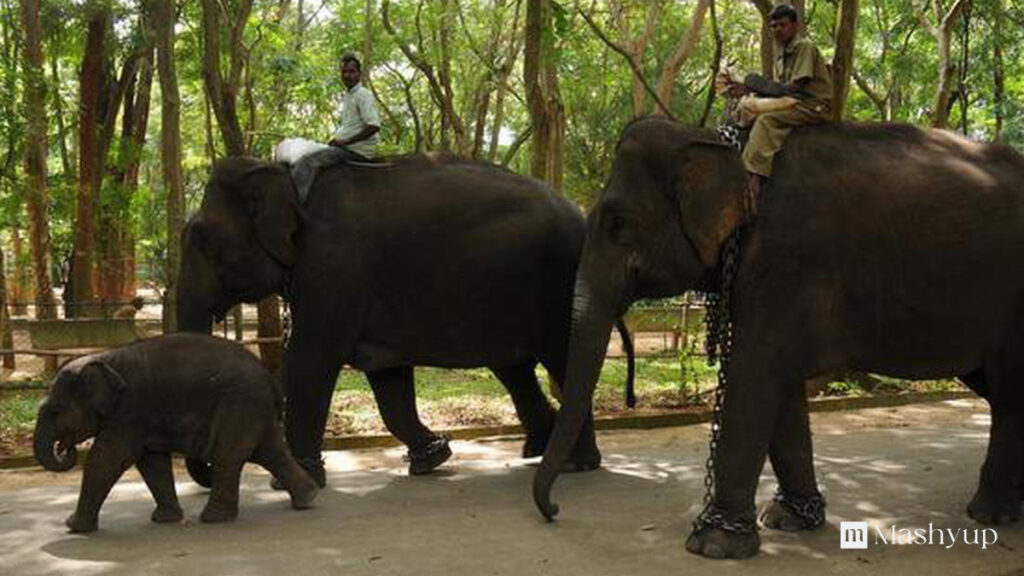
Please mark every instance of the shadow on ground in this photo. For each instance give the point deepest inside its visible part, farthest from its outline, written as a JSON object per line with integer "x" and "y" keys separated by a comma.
{"x": 477, "y": 517}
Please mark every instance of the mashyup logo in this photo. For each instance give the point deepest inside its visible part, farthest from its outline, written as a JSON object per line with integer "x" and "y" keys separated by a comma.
{"x": 855, "y": 535}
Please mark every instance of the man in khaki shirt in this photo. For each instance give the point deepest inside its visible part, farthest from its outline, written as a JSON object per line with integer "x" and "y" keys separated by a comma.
{"x": 805, "y": 87}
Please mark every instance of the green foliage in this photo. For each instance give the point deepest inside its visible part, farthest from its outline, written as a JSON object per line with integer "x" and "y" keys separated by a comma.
{"x": 291, "y": 85}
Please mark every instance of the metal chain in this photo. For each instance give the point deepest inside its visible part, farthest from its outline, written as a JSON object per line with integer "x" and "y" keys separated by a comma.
{"x": 286, "y": 313}
{"x": 810, "y": 510}
{"x": 718, "y": 345}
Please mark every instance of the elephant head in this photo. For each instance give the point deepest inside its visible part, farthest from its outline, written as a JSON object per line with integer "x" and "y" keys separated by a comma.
{"x": 83, "y": 394}
{"x": 673, "y": 197}
{"x": 240, "y": 244}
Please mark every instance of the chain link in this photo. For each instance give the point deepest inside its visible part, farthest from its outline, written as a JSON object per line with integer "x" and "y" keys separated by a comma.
{"x": 810, "y": 510}
{"x": 718, "y": 345}
{"x": 286, "y": 313}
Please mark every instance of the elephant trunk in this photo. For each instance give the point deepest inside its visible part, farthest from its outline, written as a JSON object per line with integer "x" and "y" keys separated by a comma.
{"x": 49, "y": 452}
{"x": 592, "y": 320}
{"x": 196, "y": 290}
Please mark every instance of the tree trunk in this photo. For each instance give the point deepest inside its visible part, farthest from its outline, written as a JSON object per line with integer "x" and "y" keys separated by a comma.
{"x": 943, "y": 33}
{"x": 998, "y": 84}
{"x": 6, "y": 338}
{"x": 842, "y": 62}
{"x": 35, "y": 160}
{"x": 58, "y": 108}
{"x": 90, "y": 128}
{"x": 22, "y": 285}
{"x": 223, "y": 92}
{"x": 162, "y": 14}
{"x": 542, "y": 94}
{"x": 767, "y": 40}
{"x": 687, "y": 44}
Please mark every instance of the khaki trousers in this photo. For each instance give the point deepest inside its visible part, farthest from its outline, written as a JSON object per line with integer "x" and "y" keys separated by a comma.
{"x": 769, "y": 133}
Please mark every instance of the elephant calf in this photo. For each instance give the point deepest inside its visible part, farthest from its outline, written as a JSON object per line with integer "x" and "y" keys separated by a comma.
{"x": 202, "y": 396}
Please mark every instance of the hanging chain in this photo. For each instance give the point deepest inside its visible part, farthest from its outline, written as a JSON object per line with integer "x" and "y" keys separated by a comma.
{"x": 286, "y": 312}
{"x": 718, "y": 345}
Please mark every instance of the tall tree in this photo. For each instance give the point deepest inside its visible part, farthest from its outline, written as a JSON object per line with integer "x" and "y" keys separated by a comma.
{"x": 35, "y": 159}
{"x": 687, "y": 44}
{"x": 162, "y": 15}
{"x": 842, "y": 62}
{"x": 941, "y": 26}
{"x": 223, "y": 89}
{"x": 90, "y": 174}
{"x": 6, "y": 337}
{"x": 543, "y": 97}
{"x": 116, "y": 235}
{"x": 764, "y": 8}
{"x": 223, "y": 94}
{"x": 998, "y": 81}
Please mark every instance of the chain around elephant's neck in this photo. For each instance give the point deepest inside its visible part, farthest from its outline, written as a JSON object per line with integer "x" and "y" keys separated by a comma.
{"x": 718, "y": 345}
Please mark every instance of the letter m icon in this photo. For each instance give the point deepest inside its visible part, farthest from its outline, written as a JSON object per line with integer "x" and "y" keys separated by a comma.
{"x": 853, "y": 535}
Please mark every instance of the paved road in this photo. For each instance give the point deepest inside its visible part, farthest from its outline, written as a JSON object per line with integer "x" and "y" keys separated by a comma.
{"x": 907, "y": 467}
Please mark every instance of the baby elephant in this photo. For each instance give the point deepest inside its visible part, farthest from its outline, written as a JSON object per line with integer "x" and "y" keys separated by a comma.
{"x": 205, "y": 397}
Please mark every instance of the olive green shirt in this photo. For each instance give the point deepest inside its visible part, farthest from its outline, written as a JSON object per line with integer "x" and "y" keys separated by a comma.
{"x": 801, "y": 60}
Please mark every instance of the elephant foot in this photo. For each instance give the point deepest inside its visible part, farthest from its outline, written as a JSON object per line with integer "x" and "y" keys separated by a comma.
{"x": 303, "y": 496}
{"x": 720, "y": 544}
{"x": 425, "y": 459}
{"x": 991, "y": 510}
{"x": 716, "y": 537}
{"x": 314, "y": 467}
{"x": 792, "y": 513}
{"x": 167, "y": 515}
{"x": 583, "y": 460}
{"x": 80, "y": 525}
{"x": 215, "y": 513}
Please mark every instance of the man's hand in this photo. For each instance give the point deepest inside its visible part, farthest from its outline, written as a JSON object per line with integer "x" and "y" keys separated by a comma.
{"x": 737, "y": 90}
{"x": 338, "y": 143}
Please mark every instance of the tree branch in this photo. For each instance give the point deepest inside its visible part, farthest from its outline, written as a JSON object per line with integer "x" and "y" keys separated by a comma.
{"x": 630, "y": 60}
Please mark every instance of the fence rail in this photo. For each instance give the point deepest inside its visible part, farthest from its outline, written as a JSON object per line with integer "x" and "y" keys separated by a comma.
{"x": 31, "y": 350}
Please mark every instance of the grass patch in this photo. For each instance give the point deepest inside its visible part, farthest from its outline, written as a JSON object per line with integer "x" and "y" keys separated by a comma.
{"x": 474, "y": 397}
{"x": 18, "y": 420}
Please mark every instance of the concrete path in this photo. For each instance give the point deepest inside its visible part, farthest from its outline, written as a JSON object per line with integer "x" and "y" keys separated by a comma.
{"x": 907, "y": 467}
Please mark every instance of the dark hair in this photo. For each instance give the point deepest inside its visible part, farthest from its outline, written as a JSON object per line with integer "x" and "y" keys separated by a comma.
{"x": 783, "y": 11}
{"x": 351, "y": 58}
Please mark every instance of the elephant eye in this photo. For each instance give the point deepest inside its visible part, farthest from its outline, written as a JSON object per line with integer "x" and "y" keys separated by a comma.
{"x": 622, "y": 230}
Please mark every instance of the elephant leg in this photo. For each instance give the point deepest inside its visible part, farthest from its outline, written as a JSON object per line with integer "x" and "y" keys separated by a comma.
{"x": 108, "y": 459}
{"x": 798, "y": 504}
{"x": 750, "y": 415}
{"x": 585, "y": 455}
{"x": 395, "y": 392}
{"x": 223, "y": 503}
{"x": 273, "y": 455}
{"x": 310, "y": 373}
{"x": 997, "y": 500}
{"x": 532, "y": 406}
{"x": 155, "y": 468}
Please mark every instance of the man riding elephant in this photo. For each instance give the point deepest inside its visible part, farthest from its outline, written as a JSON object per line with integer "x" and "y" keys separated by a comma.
{"x": 802, "y": 95}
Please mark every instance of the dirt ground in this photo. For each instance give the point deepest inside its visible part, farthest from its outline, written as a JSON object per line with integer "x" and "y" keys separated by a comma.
{"x": 906, "y": 467}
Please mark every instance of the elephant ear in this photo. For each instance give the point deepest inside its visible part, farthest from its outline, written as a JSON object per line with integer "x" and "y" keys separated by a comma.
{"x": 264, "y": 193}
{"x": 271, "y": 205}
{"x": 101, "y": 387}
{"x": 709, "y": 186}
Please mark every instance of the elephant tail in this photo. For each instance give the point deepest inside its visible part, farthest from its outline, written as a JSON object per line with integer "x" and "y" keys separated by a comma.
{"x": 627, "y": 347}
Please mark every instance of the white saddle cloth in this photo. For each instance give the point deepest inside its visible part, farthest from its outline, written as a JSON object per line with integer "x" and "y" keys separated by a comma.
{"x": 291, "y": 150}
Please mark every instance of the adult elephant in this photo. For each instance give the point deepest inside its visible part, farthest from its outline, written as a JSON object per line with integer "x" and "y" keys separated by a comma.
{"x": 427, "y": 261}
{"x": 881, "y": 248}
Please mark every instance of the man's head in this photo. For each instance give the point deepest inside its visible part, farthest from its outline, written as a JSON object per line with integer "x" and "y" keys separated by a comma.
{"x": 785, "y": 23}
{"x": 351, "y": 70}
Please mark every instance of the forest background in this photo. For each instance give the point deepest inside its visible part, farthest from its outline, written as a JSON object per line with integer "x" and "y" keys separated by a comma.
{"x": 113, "y": 111}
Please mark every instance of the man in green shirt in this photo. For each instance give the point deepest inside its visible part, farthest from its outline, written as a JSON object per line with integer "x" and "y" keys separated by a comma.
{"x": 804, "y": 91}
